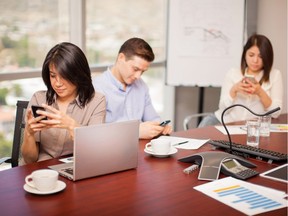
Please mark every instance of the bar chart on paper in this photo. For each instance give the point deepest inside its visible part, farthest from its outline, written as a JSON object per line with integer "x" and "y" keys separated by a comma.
{"x": 243, "y": 196}
{"x": 246, "y": 196}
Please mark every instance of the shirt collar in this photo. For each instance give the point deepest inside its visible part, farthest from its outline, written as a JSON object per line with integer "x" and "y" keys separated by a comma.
{"x": 76, "y": 101}
{"x": 116, "y": 82}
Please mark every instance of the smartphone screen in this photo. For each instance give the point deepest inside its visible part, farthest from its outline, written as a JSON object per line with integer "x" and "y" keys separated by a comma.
{"x": 35, "y": 108}
{"x": 251, "y": 78}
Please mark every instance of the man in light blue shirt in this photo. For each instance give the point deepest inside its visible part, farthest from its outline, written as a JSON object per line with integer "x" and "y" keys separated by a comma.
{"x": 127, "y": 95}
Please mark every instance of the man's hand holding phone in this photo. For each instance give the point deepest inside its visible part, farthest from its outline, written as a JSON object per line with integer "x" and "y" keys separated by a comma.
{"x": 167, "y": 128}
{"x": 164, "y": 123}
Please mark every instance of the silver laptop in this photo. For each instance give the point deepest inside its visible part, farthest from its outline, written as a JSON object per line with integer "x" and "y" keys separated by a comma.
{"x": 102, "y": 149}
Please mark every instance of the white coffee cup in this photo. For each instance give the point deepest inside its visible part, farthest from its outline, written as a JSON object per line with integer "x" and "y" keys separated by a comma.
{"x": 43, "y": 179}
{"x": 159, "y": 146}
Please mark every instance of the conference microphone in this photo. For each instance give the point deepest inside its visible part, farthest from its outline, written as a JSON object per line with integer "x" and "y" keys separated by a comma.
{"x": 256, "y": 114}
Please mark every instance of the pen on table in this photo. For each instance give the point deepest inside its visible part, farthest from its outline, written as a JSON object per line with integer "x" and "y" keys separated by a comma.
{"x": 243, "y": 128}
{"x": 181, "y": 143}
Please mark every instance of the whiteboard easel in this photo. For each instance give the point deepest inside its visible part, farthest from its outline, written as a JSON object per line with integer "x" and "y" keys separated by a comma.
{"x": 205, "y": 40}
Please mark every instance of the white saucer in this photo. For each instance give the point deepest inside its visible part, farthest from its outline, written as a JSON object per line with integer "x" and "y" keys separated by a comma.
{"x": 172, "y": 151}
{"x": 60, "y": 186}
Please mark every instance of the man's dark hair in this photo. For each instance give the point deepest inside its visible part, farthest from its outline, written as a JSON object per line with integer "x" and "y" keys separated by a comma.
{"x": 137, "y": 47}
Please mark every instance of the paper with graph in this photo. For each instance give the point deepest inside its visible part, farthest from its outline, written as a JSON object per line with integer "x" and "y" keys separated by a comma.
{"x": 243, "y": 196}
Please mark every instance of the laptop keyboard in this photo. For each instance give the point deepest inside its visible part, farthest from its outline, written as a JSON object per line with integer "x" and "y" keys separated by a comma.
{"x": 68, "y": 170}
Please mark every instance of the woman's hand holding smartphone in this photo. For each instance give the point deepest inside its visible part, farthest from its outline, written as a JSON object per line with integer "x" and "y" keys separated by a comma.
{"x": 34, "y": 111}
{"x": 251, "y": 78}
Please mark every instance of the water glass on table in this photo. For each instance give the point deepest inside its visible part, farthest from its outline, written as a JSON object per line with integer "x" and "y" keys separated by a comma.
{"x": 253, "y": 132}
{"x": 265, "y": 126}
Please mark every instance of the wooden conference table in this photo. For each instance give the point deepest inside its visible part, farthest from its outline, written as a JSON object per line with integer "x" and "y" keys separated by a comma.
{"x": 157, "y": 187}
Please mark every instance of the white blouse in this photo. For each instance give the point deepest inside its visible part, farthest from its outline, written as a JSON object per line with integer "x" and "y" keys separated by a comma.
{"x": 274, "y": 88}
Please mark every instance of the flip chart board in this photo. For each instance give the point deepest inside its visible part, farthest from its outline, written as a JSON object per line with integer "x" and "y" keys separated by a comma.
{"x": 205, "y": 40}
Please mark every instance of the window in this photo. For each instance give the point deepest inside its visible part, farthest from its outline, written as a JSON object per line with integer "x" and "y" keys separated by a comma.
{"x": 28, "y": 29}
{"x": 110, "y": 23}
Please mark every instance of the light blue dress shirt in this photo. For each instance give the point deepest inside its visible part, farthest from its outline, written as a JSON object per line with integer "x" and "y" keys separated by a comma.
{"x": 134, "y": 103}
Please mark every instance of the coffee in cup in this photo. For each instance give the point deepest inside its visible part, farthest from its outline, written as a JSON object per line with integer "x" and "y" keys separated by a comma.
{"x": 42, "y": 180}
{"x": 159, "y": 146}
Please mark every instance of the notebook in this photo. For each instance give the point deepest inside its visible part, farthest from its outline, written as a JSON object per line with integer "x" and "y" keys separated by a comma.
{"x": 102, "y": 149}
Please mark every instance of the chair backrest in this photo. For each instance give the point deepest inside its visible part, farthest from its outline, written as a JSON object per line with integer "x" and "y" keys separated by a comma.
{"x": 21, "y": 107}
{"x": 192, "y": 121}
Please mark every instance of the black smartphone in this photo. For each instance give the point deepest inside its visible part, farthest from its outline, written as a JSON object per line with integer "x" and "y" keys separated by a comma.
{"x": 165, "y": 123}
{"x": 35, "y": 108}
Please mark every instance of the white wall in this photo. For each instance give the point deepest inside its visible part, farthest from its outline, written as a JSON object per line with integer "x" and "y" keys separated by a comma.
{"x": 272, "y": 22}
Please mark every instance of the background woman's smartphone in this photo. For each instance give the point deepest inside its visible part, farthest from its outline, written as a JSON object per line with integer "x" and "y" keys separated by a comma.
{"x": 251, "y": 78}
{"x": 34, "y": 111}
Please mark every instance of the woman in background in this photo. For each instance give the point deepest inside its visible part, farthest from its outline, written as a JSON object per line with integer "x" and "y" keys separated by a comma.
{"x": 70, "y": 101}
{"x": 261, "y": 93}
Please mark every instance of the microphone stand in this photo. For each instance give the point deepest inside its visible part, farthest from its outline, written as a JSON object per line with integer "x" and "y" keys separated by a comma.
{"x": 222, "y": 119}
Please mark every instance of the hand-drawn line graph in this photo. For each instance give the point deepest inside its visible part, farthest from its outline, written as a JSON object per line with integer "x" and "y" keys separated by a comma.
{"x": 212, "y": 42}
{"x": 205, "y": 29}
{"x": 204, "y": 40}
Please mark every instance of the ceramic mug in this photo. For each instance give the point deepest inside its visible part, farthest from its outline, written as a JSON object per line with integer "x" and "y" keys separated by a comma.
{"x": 42, "y": 180}
{"x": 159, "y": 146}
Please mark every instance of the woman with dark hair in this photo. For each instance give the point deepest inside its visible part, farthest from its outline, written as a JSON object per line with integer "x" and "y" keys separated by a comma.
{"x": 257, "y": 85}
{"x": 69, "y": 102}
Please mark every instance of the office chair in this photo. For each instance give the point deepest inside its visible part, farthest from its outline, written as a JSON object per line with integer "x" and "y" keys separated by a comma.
{"x": 193, "y": 119}
{"x": 21, "y": 107}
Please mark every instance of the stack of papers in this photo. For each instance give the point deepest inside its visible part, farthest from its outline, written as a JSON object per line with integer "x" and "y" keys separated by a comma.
{"x": 243, "y": 196}
{"x": 185, "y": 143}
